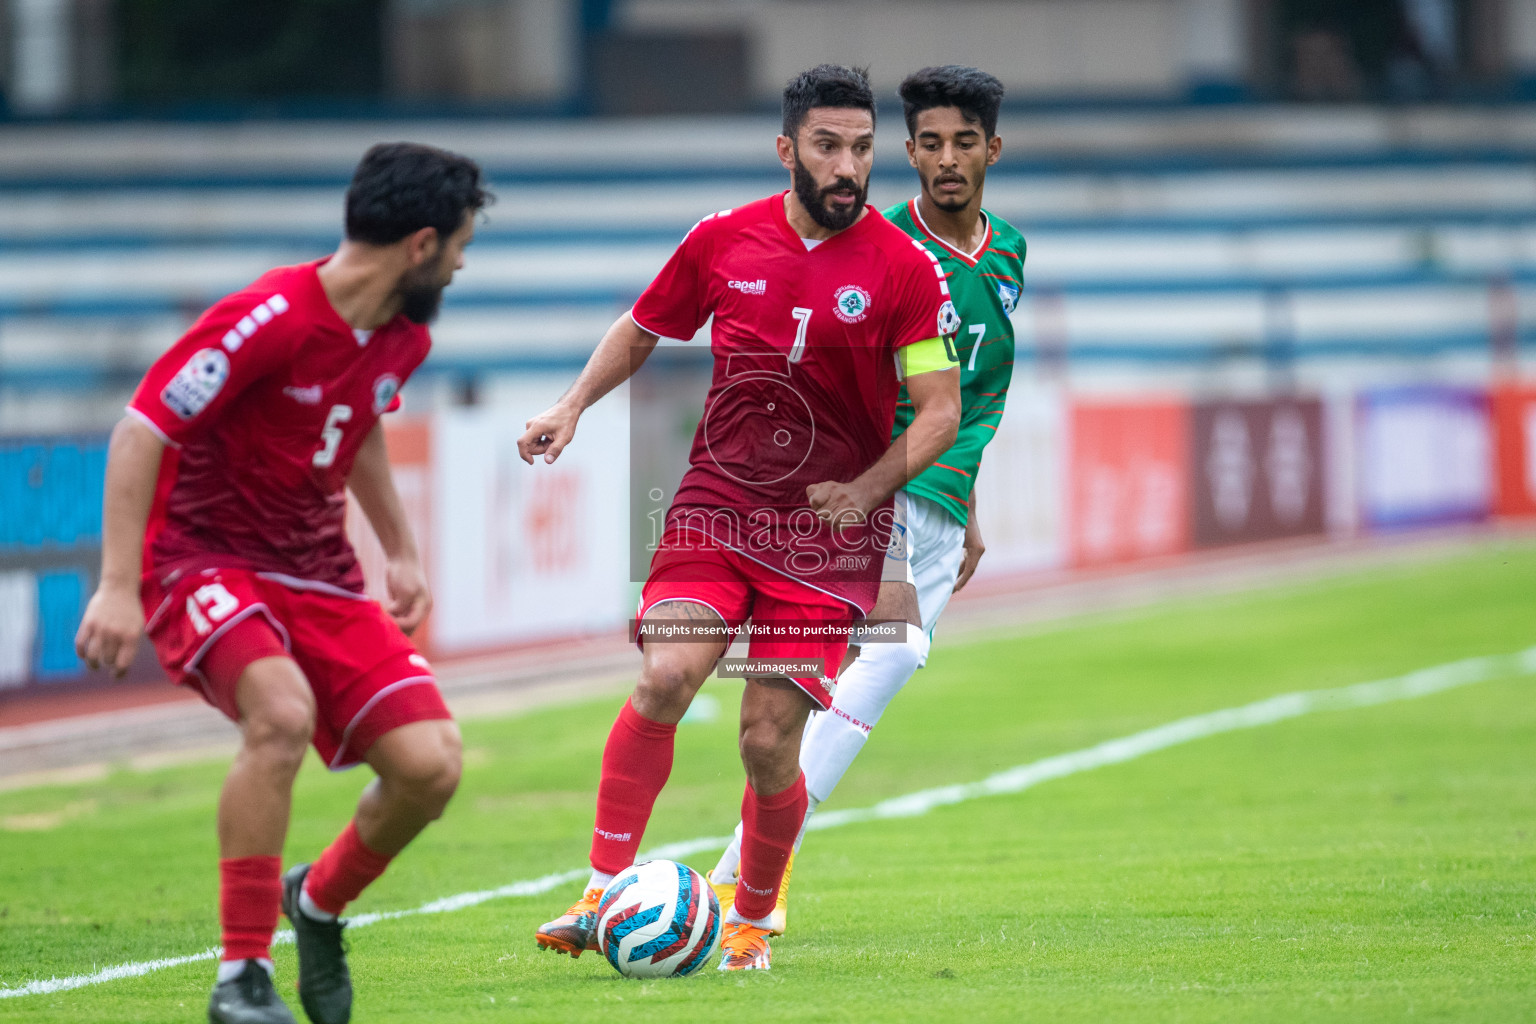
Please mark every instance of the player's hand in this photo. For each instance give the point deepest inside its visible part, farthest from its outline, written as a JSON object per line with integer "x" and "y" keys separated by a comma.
{"x": 548, "y": 433}
{"x": 840, "y": 504}
{"x": 109, "y": 633}
{"x": 974, "y": 549}
{"x": 409, "y": 597}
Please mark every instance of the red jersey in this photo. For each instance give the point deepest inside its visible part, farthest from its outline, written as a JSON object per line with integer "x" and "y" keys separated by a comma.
{"x": 804, "y": 384}
{"x": 263, "y": 405}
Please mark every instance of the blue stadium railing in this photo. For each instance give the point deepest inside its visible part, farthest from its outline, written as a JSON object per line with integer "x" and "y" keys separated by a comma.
{"x": 497, "y": 234}
{"x": 75, "y": 378}
{"x": 608, "y": 296}
{"x": 1297, "y": 158}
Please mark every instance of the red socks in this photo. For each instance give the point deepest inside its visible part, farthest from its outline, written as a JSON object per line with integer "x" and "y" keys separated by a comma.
{"x": 343, "y": 871}
{"x": 250, "y": 898}
{"x": 636, "y": 762}
{"x": 769, "y": 826}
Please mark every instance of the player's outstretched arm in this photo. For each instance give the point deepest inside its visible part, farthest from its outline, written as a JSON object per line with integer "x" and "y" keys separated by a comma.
{"x": 624, "y": 347}
{"x": 935, "y": 421}
{"x": 372, "y": 483}
{"x": 114, "y": 619}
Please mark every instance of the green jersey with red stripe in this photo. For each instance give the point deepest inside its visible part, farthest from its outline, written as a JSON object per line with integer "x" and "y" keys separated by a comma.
{"x": 984, "y": 286}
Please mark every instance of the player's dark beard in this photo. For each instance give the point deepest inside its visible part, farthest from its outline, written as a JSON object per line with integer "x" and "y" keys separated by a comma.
{"x": 815, "y": 199}
{"x": 420, "y": 305}
{"x": 421, "y": 295}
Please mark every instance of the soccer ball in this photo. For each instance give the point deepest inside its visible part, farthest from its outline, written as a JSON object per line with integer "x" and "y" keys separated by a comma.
{"x": 658, "y": 919}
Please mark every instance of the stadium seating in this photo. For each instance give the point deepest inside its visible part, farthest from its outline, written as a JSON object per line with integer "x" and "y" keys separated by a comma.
{"x": 1166, "y": 239}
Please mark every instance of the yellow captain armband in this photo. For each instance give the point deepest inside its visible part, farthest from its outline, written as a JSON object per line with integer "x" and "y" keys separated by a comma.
{"x": 926, "y": 357}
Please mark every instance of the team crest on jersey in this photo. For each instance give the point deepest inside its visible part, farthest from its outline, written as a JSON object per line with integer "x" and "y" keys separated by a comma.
{"x": 384, "y": 391}
{"x": 949, "y": 319}
{"x": 197, "y": 383}
{"x": 851, "y": 304}
{"x": 1009, "y": 293}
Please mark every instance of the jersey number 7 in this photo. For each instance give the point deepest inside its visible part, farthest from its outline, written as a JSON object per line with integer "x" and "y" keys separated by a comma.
{"x": 803, "y": 322}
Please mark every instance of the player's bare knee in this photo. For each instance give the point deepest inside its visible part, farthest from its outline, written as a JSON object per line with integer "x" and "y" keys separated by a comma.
{"x": 446, "y": 769}
{"x": 277, "y": 710}
{"x": 665, "y": 689}
{"x": 279, "y": 730}
{"x": 767, "y": 746}
{"x": 430, "y": 777}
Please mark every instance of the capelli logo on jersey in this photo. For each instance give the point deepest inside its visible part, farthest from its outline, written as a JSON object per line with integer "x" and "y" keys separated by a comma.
{"x": 304, "y": 396}
{"x": 758, "y": 287}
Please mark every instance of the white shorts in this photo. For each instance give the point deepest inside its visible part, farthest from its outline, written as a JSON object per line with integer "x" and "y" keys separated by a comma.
{"x": 926, "y": 550}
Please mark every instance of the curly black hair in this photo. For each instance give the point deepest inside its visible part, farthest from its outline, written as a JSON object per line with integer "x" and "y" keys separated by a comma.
{"x": 976, "y": 93}
{"x": 402, "y": 187}
{"x": 826, "y": 85}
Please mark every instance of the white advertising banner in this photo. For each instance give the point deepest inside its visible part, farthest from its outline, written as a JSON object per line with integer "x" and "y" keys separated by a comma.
{"x": 1021, "y": 488}
{"x": 526, "y": 553}
{"x": 18, "y": 626}
{"x": 1340, "y": 452}
{"x": 1424, "y": 456}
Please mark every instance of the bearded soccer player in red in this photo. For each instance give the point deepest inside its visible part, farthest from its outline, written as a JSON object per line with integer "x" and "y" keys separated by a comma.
{"x": 224, "y": 525}
{"x": 820, "y": 307}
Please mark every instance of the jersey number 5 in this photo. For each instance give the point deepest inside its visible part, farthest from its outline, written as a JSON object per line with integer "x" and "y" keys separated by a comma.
{"x": 331, "y": 434}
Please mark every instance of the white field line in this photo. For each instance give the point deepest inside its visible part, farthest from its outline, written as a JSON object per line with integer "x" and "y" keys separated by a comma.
{"x": 1421, "y": 683}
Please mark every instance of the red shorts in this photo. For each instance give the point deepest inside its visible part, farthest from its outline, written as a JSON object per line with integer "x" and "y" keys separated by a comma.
{"x": 366, "y": 677}
{"x": 737, "y": 589}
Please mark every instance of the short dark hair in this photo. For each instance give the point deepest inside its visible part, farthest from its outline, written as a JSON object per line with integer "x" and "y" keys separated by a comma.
{"x": 826, "y": 85}
{"x": 977, "y": 94}
{"x": 401, "y": 187}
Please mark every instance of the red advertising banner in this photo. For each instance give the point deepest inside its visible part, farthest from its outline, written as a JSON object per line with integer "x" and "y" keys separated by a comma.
{"x": 1513, "y": 411}
{"x": 1257, "y": 471}
{"x": 1128, "y": 481}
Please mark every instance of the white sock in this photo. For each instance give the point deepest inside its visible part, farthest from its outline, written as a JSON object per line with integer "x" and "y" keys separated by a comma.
{"x": 832, "y": 741}
{"x": 729, "y": 862}
{"x": 733, "y": 917}
{"x": 231, "y": 969}
{"x": 599, "y": 880}
{"x": 310, "y": 909}
{"x": 811, "y": 803}
{"x": 865, "y": 689}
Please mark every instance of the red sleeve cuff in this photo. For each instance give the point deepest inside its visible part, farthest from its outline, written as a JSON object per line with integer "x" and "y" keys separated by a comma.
{"x": 149, "y": 421}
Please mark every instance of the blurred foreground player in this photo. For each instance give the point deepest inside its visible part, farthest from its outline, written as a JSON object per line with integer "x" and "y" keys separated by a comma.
{"x": 951, "y": 114}
{"x": 224, "y": 525}
{"x": 819, "y": 306}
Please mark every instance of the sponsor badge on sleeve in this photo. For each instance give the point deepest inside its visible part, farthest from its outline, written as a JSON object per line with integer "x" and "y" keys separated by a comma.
{"x": 197, "y": 383}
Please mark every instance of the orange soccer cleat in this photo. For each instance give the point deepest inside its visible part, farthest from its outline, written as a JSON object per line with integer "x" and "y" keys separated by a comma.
{"x": 778, "y": 919}
{"x": 574, "y": 931}
{"x": 744, "y": 948}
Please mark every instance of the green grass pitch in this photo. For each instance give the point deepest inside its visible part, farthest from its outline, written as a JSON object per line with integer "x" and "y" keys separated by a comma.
{"x": 1368, "y": 864}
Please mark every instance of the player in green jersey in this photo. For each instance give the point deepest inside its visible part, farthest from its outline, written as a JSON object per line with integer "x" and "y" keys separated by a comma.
{"x": 951, "y": 115}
